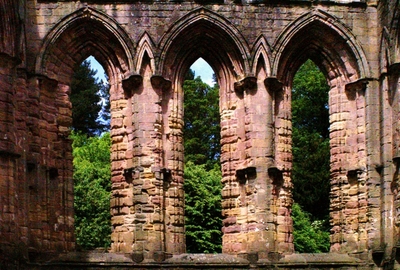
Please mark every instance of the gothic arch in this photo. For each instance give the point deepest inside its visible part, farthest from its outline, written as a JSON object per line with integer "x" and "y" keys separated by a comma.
{"x": 84, "y": 32}
{"x": 145, "y": 47}
{"x": 202, "y": 33}
{"x": 333, "y": 48}
{"x": 322, "y": 38}
{"x": 261, "y": 51}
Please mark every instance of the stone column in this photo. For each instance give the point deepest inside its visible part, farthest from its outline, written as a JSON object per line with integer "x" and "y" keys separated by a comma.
{"x": 251, "y": 232}
{"x": 349, "y": 189}
{"x": 125, "y": 171}
{"x": 281, "y": 172}
{"x": 261, "y": 177}
{"x": 254, "y": 219}
{"x": 147, "y": 202}
{"x": 7, "y": 106}
{"x": 379, "y": 194}
{"x": 355, "y": 204}
{"x": 9, "y": 153}
{"x": 169, "y": 169}
{"x": 232, "y": 128}
{"x": 390, "y": 234}
{"x": 276, "y": 188}
{"x": 170, "y": 126}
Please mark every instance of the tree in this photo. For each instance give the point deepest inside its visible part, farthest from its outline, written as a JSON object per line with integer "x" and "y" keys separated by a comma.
{"x": 88, "y": 98}
{"x": 91, "y": 152}
{"x": 203, "y": 208}
{"x": 309, "y": 237}
{"x": 311, "y": 158}
{"x": 202, "y": 122}
{"x": 92, "y": 188}
{"x": 310, "y": 110}
{"x": 311, "y": 155}
{"x": 202, "y": 170}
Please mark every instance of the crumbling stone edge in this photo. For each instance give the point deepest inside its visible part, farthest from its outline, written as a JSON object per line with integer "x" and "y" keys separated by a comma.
{"x": 97, "y": 260}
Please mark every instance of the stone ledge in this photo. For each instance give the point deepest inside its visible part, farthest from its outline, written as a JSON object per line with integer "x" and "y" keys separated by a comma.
{"x": 207, "y": 259}
{"x": 96, "y": 260}
{"x": 319, "y": 259}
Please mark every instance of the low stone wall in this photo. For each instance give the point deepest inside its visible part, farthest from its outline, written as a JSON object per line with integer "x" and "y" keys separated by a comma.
{"x": 98, "y": 260}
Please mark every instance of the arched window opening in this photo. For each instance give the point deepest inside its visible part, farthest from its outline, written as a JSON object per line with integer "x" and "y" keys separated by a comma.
{"x": 311, "y": 159}
{"x": 202, "y": 166}
{"x": 91, "y": 155}
{"x": 90, "y": 98}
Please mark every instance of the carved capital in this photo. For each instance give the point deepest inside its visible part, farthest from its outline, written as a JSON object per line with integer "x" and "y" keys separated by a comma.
{"x": 8, "y": 150}
{"x": 131, "y": 83}
{"x": 47, "y": 84}
{"x": 396, "y": 160}
{"x": 159, "y": 82}
{"x": 246, "y": 173}
{"x": 247, "y": 84}
{"x": 394, "y": 69}
{"x": 352, "y": 175}
{"x": 273, "y": 84}
{"x": 359, "y": 85}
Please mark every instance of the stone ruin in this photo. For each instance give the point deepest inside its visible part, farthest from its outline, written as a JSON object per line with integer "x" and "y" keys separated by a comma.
{"x": 255, "y": 47}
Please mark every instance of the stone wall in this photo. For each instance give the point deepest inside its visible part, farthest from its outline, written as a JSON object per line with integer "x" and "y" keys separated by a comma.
{"x": 255, "y": 48}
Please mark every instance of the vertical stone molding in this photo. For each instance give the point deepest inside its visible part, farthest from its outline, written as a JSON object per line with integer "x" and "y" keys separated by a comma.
{"x": 282, "y": 173}
{"x": 8, "y": 75}
{"x": 230, "y": 105}
{"x": 169, "y": 127}
{"x": 349, "y": 186}
{"x": 393, "y": 170}
{"x": 127, "y": 221}
{"x": 356, "y": 195}
{"x": 276, "y": 188}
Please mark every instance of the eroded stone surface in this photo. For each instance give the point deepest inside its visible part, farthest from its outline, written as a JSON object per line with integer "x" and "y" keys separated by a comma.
{"x": 254, "y": 48}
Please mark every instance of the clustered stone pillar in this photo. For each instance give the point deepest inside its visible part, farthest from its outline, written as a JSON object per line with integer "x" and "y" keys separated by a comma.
{"x": 8, "y": 156}
{"x": 147, "y": 197}
{"x": 349, "y": 189}
{"x": 49, "y": 166}
{"x": 392, "y": 183}
{"x": 36, "y": 189}
{"x": 231, "y": 242}
{"x": 282, "y": 172}
{"x": 257, "y": 201}
{"x": 279, "y": 159}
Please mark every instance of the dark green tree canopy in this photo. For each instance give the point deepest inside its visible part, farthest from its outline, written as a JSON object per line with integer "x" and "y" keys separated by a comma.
{"x": 202, "y": 122}
{"x": 309, "y": 236}
{"x": 311, "y": 155}
{"x": 90, "y": 101}
{"x": 203, "y": 208}
{"x": 202, "y": 170}
{"x": 91, "y": 152}
{"x": 311, "y": 159}
{"x": 310, "y": 110}
{"x": 92, "y": 188}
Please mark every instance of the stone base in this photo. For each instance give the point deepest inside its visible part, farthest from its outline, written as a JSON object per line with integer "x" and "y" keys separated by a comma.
{"x": 96, "y": 260}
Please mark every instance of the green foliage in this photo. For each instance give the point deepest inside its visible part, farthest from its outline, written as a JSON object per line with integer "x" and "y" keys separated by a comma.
{"x": 309, "y": 237}
{"x": 203, "y": 208}
{"x": 310, "y": 100}
{"x": 89, "y": 99}
{"x": 202, "y": 122}
{"x": 311, "y": 159}
{"x": 92, "y": 187}
{"x": 311, "y": 172}
{"x": 311, "y": 155}
{"x": 202, "y": 171}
